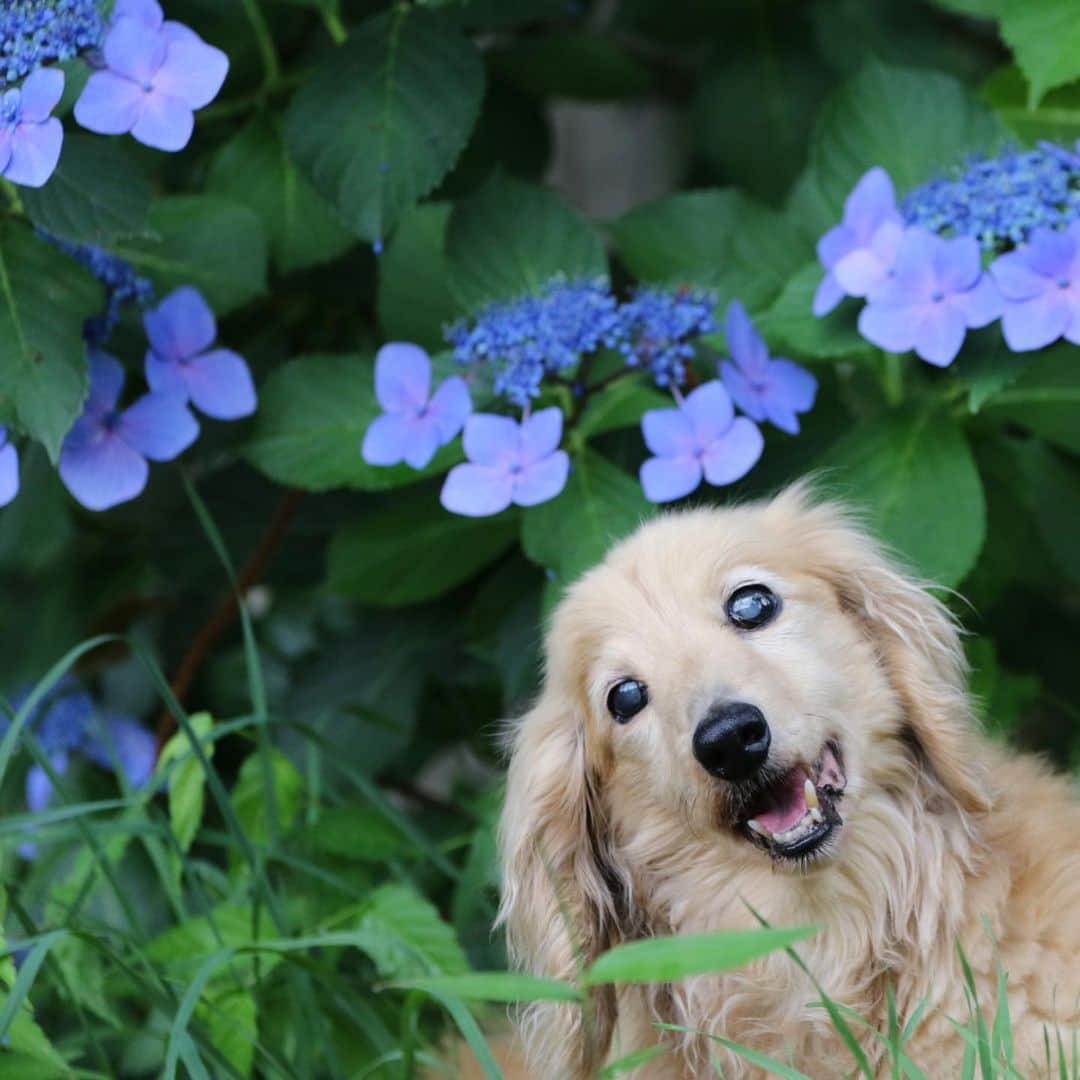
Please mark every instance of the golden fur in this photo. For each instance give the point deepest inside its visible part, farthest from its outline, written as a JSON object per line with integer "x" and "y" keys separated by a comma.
{"x": 614, "y": 832}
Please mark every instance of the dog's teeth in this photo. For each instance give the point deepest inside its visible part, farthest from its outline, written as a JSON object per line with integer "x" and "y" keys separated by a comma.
{"x": 756, "y": 827}
{"x": 815, "y": 815}
{"x": 810, "y": 794}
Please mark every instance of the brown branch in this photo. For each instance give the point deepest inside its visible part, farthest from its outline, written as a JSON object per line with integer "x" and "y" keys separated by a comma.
{"x": 227, "y": 611}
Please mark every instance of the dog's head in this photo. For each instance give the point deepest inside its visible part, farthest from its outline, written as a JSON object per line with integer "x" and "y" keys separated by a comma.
{"x": 752, "y": 676}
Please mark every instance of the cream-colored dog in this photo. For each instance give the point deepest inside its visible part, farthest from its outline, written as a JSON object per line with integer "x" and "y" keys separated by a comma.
{"x": 754, "y": 710}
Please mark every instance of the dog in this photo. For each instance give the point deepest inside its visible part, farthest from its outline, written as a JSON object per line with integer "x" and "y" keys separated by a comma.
{"x": 753, "y": 714}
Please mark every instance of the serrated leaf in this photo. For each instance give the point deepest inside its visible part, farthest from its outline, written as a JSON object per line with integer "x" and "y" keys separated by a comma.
{"x": 599, "y": 505}
{"x": 385, "y": 557}
{"x": 97, "y": 194}
{"x": 254, "y": 168}
{"x": 207, "y": 241}
{"x": 248, "y": 796}
{"x": 1045, "y": 38}
{"x": 914, "y": 474}
{"x": 384, "y": 117}
{"x": 313, "y": 412}
{"x": 510, "y": 239}
{"x": 187, "y": 781}
{"x": 408, "y": 936}
{"x": 44, "y": 299}
{"x": 230, "y": 1017}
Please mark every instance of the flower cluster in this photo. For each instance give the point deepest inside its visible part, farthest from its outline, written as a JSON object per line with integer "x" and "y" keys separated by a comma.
{"x": 511, "y": 462}
{"x": 69, "y": 724}
{"x": 919, "y": 266}
{"x": 152, "y": 74}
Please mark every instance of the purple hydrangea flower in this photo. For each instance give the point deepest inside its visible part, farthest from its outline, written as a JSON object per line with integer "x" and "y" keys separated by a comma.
{"x": 857, "y": 253}
{"x": 936, "y": 293}
{"x": 764, "y": 388}
{"x": 702, "y": 437}
{"x": 180, "y": 361}
{"x": 415, "y": 422}
{"x": 156, "y": 74}
{"x": 508, "y": 463}
{"x": 103, "y": 459}
{"x": 1040, "y": 284}
{"x": 37, "y": 32}
{"x": 656, "y": 328}
{"x": 9, "y": 468}
{"x": 30, "y": 139}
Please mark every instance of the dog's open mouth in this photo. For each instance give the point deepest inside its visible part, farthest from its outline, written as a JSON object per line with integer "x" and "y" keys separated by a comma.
{"x": 795, "y": 814}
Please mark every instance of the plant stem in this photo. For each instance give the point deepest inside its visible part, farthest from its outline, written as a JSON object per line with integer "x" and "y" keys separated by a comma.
{"x": 334, "y": 26}
{"x": 892, "y": 378}
{"x": 265, "y": 41}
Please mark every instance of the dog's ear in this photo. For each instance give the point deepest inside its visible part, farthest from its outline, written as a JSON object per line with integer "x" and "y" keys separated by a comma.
{"x": 916, "y": 639}
{"x": 558, "y": 898}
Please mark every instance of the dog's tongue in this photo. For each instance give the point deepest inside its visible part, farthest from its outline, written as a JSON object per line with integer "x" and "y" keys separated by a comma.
{"x": 789, "y": 803}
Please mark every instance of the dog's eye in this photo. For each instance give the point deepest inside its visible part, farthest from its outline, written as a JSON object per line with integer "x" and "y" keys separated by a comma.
{"x": 627, "y": 699}
{"x": 752, "y": 606}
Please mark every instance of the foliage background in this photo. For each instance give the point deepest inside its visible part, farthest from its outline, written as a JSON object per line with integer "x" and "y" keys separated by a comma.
{"x": 346, "y": 816}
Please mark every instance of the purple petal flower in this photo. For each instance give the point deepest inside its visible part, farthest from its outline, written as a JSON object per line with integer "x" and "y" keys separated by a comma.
{"x": 135, "y": 747}
{"x": 181, "y": 330}
{"x": 415, "y": 423}
{"x": 39, "y": 791}
{"x": 1040, "y": 284}
{"x": 156, "y": 74}
{"x": 103, "y": 459}
{"x": 936, "y": 293}
{"x": 764, "y": 388}
{"x": 9, "y": 469}
{"x": 700, "y": 438}
{"x": 857, "y": 252}
{"x": 30, "y": 139}
{"x": 508, "y": 463}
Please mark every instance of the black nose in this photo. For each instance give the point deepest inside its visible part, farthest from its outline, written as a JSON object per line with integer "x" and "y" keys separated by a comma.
{"x": 732, "y": 742}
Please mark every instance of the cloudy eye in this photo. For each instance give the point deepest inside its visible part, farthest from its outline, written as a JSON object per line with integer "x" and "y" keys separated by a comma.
{"x": 751, "y": 606}
{"x": 627, "y": 699}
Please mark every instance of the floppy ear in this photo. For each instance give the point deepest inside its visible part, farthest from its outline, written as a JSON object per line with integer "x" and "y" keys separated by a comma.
{"x": 558, "y": 903}
{"x": 917, "y": 641}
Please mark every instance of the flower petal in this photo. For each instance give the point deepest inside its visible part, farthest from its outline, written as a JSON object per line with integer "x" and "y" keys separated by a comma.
{"x": 542, "y": 480}
{"x": 134, "y": 747}
{"x": 980, "y": 305}
{"x": 477, "y": 490}
{"x": 835, "y": 244}
{"x": 827, "y": 295}
{"x": 106, "y": 384}
{"x": 387, "y": 439}
{"x": 402, "y": 377}
{"x": 1035, "y": 323}
{"x": 35, "y": 150}
{"x": 664, "y": 479}
{"x": 159, "y": 426}
{"x": 747, "y": 346}
{"x": 9, "y": 473}
{"x": 102, "y": 472}
{"x": 181, "y": 326}
{"x": 423, "y": 441}
{"x": 540, "y": 435}
{"x": 148, "y": 12}
{"x": 957, "y": 264}
{"x": 914, "y": 274}
{"x": 939, "y": 334}
{"x": 1050, "y": 253}
{"x": 492, "y": 440}
{"x": 742, "y": 393}
{"x": 165, "y": 123}
{"x": 860, "y": 272}
{"x": 890, "y": 328}
{"x": 133, "y": 52}
{"x": 709, "y": 410}
{"x": 109, "y": 104}
{"x": 6, "y": 134}
{"x": 192, "y": 72}
{"x": 220, "y": 385}
{"x": 734, "y": 454}
{"x": 39, "y": 787}
{"x": 40, "y": 94}
{"x": 1016, "y": 279}
{"x": 450, "y": 407}
{"x": 871, "y": 201}
{"x": 667, "y": 432}
{"x": 794, "y": 383}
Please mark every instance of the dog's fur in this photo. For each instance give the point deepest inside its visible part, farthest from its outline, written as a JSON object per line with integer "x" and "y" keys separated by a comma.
{"x": 615, "y": 832}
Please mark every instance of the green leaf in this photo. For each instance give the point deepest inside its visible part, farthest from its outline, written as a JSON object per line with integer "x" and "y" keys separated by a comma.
{"x": 356, "y": 832}
{"x": 791, "y": 325}
{"x": 230, "y": 1017}
{"x": 914, "y": 473}
{"x": 187, "y": 782}
{"x": 717, "y": 239}
{"x": 44, "y": 299}
{"x": 313, "y": 412}
{"x": 385, "y": 116}
{"x": 97, "y": 194}
{"x": 510, "y": 239}
{"x": 870, "y": 121}
{"x": 207, "y": 241}
{"x": 662, "y": 959}
{"x": 412, "y": 549}
{"x": 254, "y": 168}
{"x": 1051, "y": 488}
{"x": 249, "y": 795}
{"x": 1045, "y": 38}
{"x": 414, "y": 300}
{"x": 1057, "y": 118}
{"x": 621, "y": 405}
{"x": 411, "y": 937}
{"x": 501, "y": 986}
{"x": 599, "y": 505}
{"x": 986, "y": 365}
{"x": 1046, "y": 397}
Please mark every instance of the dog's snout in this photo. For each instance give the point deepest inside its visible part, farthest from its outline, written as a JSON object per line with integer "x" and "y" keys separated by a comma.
{"x": 732, "y": 742}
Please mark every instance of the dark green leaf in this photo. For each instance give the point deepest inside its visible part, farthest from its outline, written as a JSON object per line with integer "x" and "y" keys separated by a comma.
{"x": 573, "y": 64}
{"x": 356, "y": 832}
{"x": 619, "y": 406}
{"x": 1051, "y": 488}
{"x": 413, "y": 550}
{"x": 511, "y": 238}
{"x": 411, "y": 938}
{"x": 384, "y": 117}
{"x": 1056, "y": 118}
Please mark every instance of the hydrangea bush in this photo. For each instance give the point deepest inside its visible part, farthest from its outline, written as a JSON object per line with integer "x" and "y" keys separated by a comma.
{"x": 337, "y": 337}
